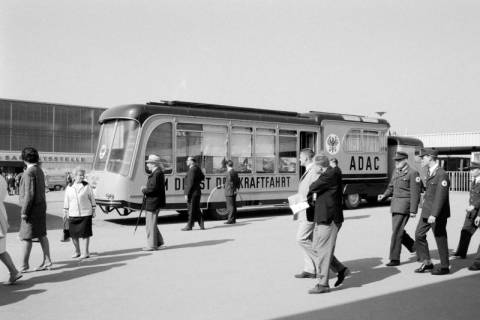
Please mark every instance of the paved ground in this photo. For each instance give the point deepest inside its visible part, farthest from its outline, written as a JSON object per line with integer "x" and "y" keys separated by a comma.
{"x": 243, "y": 271}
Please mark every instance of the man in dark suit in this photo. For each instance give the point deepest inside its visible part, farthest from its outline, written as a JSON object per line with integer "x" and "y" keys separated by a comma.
{"x": 405, "y": 186}
{"x": 232, "y": 184}
{"x": 193, "y": 193}
{"x": 435, "y": 212}
{"x": 154, "y": 193}
{"x": 326, "y": 194}
{"x": 469, "y": 225}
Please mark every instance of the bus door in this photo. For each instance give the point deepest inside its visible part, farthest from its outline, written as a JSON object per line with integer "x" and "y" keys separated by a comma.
{"x": 308, "y": 139}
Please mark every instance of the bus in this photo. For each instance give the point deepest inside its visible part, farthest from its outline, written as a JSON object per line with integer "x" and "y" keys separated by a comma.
{"x": 264, "y": 146}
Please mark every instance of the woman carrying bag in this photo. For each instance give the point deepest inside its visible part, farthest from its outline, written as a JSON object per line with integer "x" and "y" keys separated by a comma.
{"x": 79, "y": 208}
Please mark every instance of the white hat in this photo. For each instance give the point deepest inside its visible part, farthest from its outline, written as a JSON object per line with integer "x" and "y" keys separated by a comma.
{"x": 153, "y": 158}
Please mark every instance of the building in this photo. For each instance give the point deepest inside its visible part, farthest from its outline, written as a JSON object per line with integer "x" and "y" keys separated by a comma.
{"x": 65, "y": 135}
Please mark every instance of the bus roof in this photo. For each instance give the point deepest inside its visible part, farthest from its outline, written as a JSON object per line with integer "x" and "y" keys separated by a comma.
{"x": 141, "y": 112}
{"x": 406, "y": 141}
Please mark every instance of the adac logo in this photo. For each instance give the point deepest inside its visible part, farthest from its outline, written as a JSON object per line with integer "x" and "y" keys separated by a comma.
{"x": 332, "y": 144}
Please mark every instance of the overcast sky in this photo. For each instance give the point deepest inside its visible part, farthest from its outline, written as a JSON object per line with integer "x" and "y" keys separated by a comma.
{"x": 417, "y": 60}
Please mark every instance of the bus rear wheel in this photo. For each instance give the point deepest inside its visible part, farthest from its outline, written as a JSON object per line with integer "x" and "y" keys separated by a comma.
{"x": 352, "y": 201}
{"x": 217, "y": 213}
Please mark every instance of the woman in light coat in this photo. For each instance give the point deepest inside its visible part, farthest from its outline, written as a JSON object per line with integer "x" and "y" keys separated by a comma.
{"x": 79, "y": 207}
{"x": 4, "y": 256}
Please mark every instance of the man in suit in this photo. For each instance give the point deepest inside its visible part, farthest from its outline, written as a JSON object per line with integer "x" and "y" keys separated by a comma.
{"x": 193, "y": 193}
{"x": 435, "y": 212}
{"x": 305, "y": 217}
{"x": 328, "y": 219}
{"x": 154, "y": 193}
{"x": 405, "y": 186}
{"x": 469, "y": 225}
{"x": 232, "y": 184}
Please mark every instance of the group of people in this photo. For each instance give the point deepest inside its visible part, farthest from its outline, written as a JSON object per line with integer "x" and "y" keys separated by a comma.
{"x": 319, "y": 224}
{"x": 12, "y": 182}
{"x": 79, "y": 208}
{"x": 154, "y": 197}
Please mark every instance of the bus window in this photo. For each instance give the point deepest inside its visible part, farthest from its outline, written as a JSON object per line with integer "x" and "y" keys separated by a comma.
{"x": 287, "y": 161}
{"x": 124, "y": 141}
{"x": 189, "y": 143}
{"x": 241, "y": 149}
{"x": 373, "y": 141}
{"x": 265, "y": 150}
{"x": 160, "y": 143}
{"x": 106, "y": 136}
{"x": 353, "y": 141}
{"x": 214, "y": 148}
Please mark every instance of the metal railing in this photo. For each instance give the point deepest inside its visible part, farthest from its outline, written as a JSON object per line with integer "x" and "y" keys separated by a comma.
{"x": 459, "y": 180}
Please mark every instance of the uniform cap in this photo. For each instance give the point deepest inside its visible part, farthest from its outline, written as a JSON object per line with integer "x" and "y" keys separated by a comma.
{"x": 400, "y": 155}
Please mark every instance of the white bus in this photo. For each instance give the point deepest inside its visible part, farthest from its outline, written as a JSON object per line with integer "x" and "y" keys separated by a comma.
{"x": 263, "y": 144}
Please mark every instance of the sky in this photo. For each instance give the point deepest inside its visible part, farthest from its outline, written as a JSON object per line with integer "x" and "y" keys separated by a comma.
{"x": 416, "y": 60}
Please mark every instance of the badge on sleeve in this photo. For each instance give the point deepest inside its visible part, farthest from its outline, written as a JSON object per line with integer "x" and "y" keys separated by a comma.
{"x": 417, "y": 179}
{"x": 444, "y": 183}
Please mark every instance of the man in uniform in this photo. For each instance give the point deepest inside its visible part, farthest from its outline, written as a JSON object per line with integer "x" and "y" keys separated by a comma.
{"x": 435, "y": 212}
{"x": 405, "y": 187}
{"x": 193, "y": 194}
{"x": 154, "y": 193}
{"x": 232, "y": 184}
{"x": 305, "y": 217}
{"x": 469, "y": 226}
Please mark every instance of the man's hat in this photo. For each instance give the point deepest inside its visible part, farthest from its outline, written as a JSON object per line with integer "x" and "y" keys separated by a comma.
{"x": 400, "y": 155}
{"x": 428, "y": 152}
{"x": 474, "y": 165}
{"x": 153, "y": 158}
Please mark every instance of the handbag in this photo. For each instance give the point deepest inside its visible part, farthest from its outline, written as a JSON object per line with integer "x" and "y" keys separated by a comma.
{"x": 66, "y": 231}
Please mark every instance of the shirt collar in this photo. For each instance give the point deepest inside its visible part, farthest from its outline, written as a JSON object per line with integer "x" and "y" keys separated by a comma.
{"x": 432, "y": 169}
{"x": 30, "y": 165}
{"x": 309, "y": 166}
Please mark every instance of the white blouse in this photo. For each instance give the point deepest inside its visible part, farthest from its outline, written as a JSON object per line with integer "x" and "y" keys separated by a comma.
{"x": 79, "y": 200}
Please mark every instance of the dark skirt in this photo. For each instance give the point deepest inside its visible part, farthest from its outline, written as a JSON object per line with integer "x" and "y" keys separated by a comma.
{"x": 80, "y": 227}
{"x": 34, "y": 227}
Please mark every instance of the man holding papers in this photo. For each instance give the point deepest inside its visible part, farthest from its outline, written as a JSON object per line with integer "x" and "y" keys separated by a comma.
{"x": 305, "y": 216}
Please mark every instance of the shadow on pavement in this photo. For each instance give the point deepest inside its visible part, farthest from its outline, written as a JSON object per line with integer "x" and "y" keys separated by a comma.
{"x": 13, "y": 213}
{"x": 364, "y": 216}
{"x": 365, "y": 271}
{"x": 451, "y": 299}
{"x": 197, "y": 244}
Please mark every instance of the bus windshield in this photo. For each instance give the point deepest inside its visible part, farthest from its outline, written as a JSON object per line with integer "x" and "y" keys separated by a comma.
{"x": 116, "y": 145}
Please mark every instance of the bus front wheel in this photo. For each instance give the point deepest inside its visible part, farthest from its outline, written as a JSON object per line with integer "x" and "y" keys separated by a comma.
{"x": 352, "y": 201}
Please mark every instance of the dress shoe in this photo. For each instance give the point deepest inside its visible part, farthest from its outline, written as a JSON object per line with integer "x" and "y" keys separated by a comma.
{"x": 440, "y": 271}
{"x": 393, "y": 263}
{"x": 411, "y": 249}
{"x": 44, "y": 267}
{"x": 474, "y": 267}
{"x": 341, "y": 276}
{"x": 305, "y": 274}
{"x": 148, "y": 249}
{"x": 319, "y": 289}
{"x": 186, "y": 229}
{"x": 424, "y": 267}
{"x": 456, "y": 255}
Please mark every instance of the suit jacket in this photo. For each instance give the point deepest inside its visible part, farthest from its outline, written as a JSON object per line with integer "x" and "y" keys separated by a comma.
{"x": 405, "y": 186}
{"x": 328, "y": 206}
{"x": 232, "y": 183}
{"x": 436, "y": 199}
{"x": 32, "y": 193}
{"x": 155, "y": 191}
{"x": 193, "y": 179}
{"x": 306, "y": 180}
{"x": 474, "y": 199}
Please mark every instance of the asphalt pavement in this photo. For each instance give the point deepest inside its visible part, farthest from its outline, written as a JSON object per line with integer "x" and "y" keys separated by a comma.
{"x": 241, "y": 271}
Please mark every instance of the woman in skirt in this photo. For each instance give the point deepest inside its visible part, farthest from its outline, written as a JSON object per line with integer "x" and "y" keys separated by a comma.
{"x": 79, "y": 207}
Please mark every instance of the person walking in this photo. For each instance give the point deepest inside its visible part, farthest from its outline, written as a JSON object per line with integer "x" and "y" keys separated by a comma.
{"x": 154, "y": 193}
{"x": 193, "y": 194}
{"x": 33, "y": 210}
{"x": 435, "y": 212}
{"x": 405, "y": 187}
{"x": 305, "y": 217}
{"x": 325, "y": 192}
{"x": 232, "y": 184}
{"x": 4, "y": 255}
{"x": 79, "y": 207}
{"x": 469, "y": 225}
